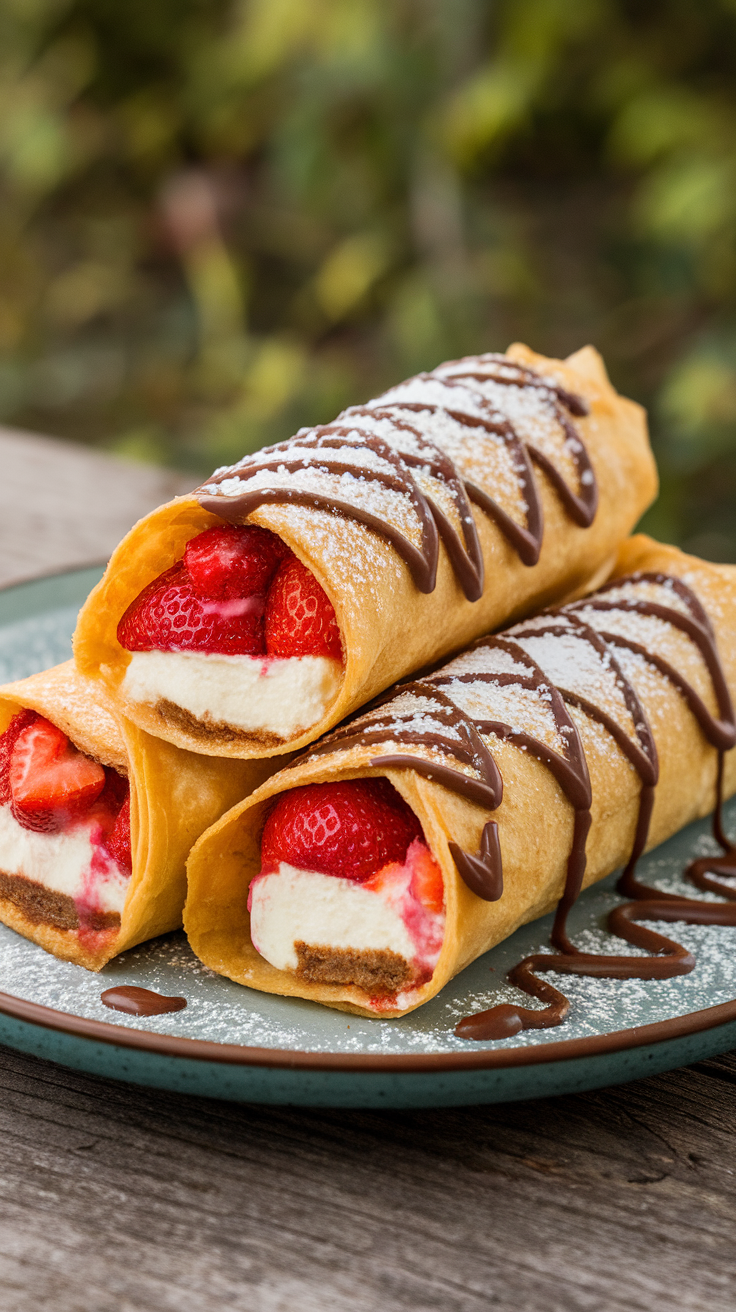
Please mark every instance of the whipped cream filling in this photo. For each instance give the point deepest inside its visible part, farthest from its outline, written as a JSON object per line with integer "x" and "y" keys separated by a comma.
{"x": 290, "y": 905}
{"x": 280, "y": 695}
{"x": 72, "y": 862}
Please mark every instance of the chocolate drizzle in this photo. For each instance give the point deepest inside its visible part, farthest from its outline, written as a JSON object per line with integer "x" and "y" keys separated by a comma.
{"x": 668, "y": 958}
{"x": 389, "y": 465}
{"x": 457, "y": 734}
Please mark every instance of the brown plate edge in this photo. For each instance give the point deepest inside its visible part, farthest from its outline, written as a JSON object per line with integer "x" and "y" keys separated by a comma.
{"x": 167, "y": 1045}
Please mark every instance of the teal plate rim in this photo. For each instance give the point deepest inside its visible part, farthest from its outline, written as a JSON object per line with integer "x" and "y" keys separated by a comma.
{"x": 233, "y": 1054}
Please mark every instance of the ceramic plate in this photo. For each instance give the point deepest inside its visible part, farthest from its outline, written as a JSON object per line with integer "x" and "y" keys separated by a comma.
{"x": 231, "y": 1042}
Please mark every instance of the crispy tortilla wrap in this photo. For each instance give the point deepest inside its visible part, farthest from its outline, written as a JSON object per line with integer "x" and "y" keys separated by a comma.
{"x": 453, "y": 504}
{"x": 492, "y": 754}
{"x": 174, "y": 796}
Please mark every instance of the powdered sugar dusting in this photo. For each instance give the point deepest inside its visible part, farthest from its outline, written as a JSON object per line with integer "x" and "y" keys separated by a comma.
{"x": 572, "y": 663}
{"x": 524, "y": 710}
{"x": 427, "y": 448}
{"x": 601, "y": 677}
{"x": 486, "y": 660}
{"x": 659, "y": 637}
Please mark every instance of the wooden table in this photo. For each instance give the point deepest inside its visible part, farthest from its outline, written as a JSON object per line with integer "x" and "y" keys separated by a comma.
{"x": 120, "y": 1199}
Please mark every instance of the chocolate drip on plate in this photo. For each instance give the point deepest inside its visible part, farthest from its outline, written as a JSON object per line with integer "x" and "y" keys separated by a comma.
{"x": 392, "y": 470}
{"x": 140, "y": 1002}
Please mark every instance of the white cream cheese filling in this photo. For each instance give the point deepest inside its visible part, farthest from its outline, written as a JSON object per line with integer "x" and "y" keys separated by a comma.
{"x": 281, "y": 695}
{"x": 291, "y": 906}
{"x": 69, "y": 862}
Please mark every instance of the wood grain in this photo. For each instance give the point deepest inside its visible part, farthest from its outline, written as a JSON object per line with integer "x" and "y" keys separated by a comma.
{"x": 120, "y": 1199}
{"x": 115, "y": 1198}
{"x": 63, "y": 505}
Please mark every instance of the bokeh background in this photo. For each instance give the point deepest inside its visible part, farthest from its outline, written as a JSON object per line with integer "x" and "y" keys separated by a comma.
{"x": 223, "y": 219}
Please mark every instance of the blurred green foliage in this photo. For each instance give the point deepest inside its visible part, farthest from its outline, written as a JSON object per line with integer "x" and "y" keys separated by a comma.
{"x": 222, "y": 219}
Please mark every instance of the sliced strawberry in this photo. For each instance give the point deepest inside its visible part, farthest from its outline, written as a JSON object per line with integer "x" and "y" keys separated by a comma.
{"x": 118, "y": 841}
{"x": 50, "y": 781}
{"x": 348, "y": 829}
{"x": 426, "y": 884}
{"x": 387, "y": 878}
{"x": 224, "y": 563}
{"x": 115, "y": 791}
{"x": 300, "y": 618}
{"x": 8, "y": 740}
{"x": 168, "y": 616}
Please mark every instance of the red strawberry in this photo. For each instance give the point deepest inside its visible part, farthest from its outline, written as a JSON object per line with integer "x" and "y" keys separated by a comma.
{"x": 118, "y": 841}
{"x": 8, "y": 740}
{"x": 115, "y": 791}
{"x": 50, "y": 781}
{"x": 347, "y": 829}
{"x": 167, "y": 616}
{"x": 300, "y": 618}
{"x": 426, "y": 883}
{"x": 224, "y": 563}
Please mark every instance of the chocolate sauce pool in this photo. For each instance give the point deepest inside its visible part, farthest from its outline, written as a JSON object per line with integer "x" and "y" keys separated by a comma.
{"x": 464, "y": 553}
{"x": 483, "y": 871}
{"x": 140, "y": 1002}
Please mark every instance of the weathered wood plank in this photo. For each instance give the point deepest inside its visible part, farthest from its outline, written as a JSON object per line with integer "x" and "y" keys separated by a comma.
{"x": 113, "y": 1197}
{"x": 63, "y": 505}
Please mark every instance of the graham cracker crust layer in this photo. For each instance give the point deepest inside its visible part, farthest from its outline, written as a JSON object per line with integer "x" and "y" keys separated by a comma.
{"x": 375, "y": 970}
{"x": 44, "y": 906}
{"x": 214, "y": 733}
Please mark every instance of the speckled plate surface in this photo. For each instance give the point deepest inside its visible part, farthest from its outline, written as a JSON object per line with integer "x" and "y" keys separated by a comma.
{"x": 231, "y": 1042}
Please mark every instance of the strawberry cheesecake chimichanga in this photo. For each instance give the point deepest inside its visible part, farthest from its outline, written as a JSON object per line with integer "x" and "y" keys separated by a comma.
{"x": 97, "y": 818}
{"x": 248, "y": 618}
{"x": 461, "y": 805}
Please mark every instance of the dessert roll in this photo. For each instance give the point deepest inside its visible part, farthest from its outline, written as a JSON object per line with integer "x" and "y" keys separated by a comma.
{"x": 476, "y": 798}
{"x": 97, "y": 818}
{"x": 250, "y": 617}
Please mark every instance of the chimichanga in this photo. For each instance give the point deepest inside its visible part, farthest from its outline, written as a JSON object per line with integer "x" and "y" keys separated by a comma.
{"x": 477, "y": 798}
{"x": 97, "y": 818}
{"x": 248, "y": 618}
